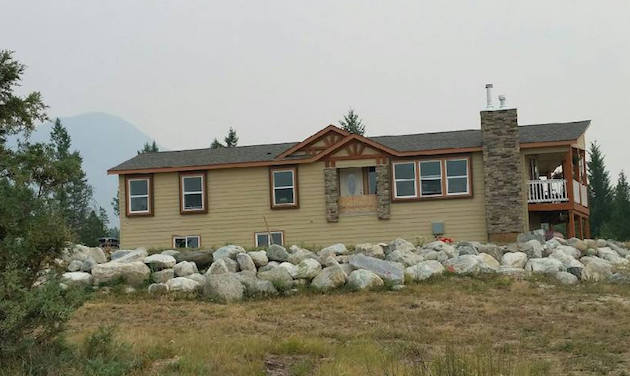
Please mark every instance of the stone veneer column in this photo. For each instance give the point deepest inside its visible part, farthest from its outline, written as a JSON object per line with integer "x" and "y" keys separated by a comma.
{"x": 331, "y": 191}
{"x": 502, "y": 175}
{"x": 383, "y": 189}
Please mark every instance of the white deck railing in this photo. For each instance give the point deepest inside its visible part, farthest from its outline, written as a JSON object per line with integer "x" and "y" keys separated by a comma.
{"x": 552, "y": 190}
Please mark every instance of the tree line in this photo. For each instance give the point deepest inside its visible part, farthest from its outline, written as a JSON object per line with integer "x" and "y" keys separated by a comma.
{"x": 609, "y": 204}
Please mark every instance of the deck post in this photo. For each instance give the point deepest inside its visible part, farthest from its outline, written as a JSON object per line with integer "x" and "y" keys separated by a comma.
{"x": 571, "y": 225}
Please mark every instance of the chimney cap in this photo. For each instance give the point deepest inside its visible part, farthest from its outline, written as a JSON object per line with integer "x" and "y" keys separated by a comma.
{"x": 489, "y": 86}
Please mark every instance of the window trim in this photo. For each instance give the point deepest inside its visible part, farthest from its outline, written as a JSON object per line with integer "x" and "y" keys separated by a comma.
{"x": 468, "y": 177}
{"x": 272, "y": 189}
{"x": 204, "y": 192}
{"x": 174, "y": 237}
{"x": 268, "y": 233}
{"x": 441, "y": 178}
{"x": 443, "y": 196}
{"x": 415, "y": 180}
{"x": 143, "y": 213}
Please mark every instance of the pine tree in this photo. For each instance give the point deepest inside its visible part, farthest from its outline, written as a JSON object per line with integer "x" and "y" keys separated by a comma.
{"x": 216, "y": 144}
{"x": 231, "y": 140}
{"x": 149, "y": 148}
{"x": 617, "y": 227}
{"x": 599, "y": 191}
{"x": 352, "y": 123}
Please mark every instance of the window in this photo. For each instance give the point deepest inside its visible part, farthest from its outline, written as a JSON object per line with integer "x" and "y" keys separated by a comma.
{"x": 193, "y": 193}
{"x": 139, "y": 196}
{"x": 457, "y": 176}
{"x": 191, "y": 241}
{"x": 371, "y": 180}
{"x": 283, "y": 188}
{"x": 405, "y": 179}
{"x": 430, "y": 178}
{"x": 265, "y": 239}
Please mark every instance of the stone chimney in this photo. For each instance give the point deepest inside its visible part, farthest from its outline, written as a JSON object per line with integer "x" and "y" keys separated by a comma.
{"x": 504, "y": 200}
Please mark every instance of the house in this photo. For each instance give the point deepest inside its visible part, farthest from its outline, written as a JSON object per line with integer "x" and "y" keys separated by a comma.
{"x": 487, "y": 184}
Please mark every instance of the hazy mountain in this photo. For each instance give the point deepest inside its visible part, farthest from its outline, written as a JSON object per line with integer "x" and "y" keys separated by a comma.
{"x": 104, "y": 141}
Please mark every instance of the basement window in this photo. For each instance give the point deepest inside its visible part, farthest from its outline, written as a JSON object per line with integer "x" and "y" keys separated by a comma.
{"x": 191, "y": 241}
{"x": 265, "y": 239}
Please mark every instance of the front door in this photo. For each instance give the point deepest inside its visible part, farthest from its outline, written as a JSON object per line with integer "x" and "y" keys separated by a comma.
{"x": 351, "y": 181}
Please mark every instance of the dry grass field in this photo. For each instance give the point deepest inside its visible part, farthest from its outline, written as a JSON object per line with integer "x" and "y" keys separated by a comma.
{"x": 448, "y": 326}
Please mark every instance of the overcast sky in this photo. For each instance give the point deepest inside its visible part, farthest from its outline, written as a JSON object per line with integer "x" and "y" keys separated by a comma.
{"x": 184, "y": 71}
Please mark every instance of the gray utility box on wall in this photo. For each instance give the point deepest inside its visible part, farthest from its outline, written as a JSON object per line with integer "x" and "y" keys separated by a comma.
{"x": 437, "y": 228}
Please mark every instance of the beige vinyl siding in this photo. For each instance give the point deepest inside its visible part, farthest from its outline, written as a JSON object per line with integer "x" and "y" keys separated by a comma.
{"x": 238, "y": 206}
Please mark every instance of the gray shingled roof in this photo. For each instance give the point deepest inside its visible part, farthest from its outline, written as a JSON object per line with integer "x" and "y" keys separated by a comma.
{"x": 411, "y": 142}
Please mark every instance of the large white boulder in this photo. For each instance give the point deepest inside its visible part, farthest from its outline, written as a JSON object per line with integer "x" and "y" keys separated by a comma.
{"x": 278, "y": 276}
{"x": 297, "y": 254}
{"x": 333, "y": 250}
{"x": 224, "y": 288}
{"x": 404, "y": 256}
{"x": 75, "y": 265}
{"x": 532, "y": 248}
{"x": 545, "y": 265}
{"x": 362, "y": 279}
{"x": 611, "y": 256}
{"x": 218, "y": 267}
{"x": 159, "y": 261}
{"x": 466, "y": 264}
{"x": 569, "y": 251}
{"x": 229, "y": 251}
{"x": 163, "y": 275}
{"x": 278, "y": 253}
{"x": 487, "y": 263}
{"x": 185, "y": 268}
{"x": 158, "y": 288}
{"x": 197, "y": 277}
{"x": 441, "y": 246}
{"x": 77, "y": 278}
{"x": 371, "y": 250}
{"x": 308, "y": 269}
{"x": 566, "y": 260}
{"x": 424, "y": 270}
{"x": 124, "y": 255}
{"x": 596, "y": 269}
{"x": 514, "y": 259}
{"x": 245, "y": 262}
{"x": 290, "y": 268}
{"x": 254, "y": 286}
{"x": 401, "y": 245}
{"x": 329, "y": 278}
{"x": 134, "y": 272}
{"x": 182, "y": 284}
{"x": 566, "y": 278}
{"x": 388, "y": 271}
{"x": 259, "y": 258}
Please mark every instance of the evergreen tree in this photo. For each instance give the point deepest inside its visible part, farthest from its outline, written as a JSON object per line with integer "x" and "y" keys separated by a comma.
{"x": 94, "y": 228}
{"x": 617, "y": 227}
{"x": 599, "y": 191}
{"x": 352, "y": 123}
{"x": 231, "y": 140}
{"x": 149, "y": 148}
{"x": 116, "y": 205}
{"x": 216, "y": 144}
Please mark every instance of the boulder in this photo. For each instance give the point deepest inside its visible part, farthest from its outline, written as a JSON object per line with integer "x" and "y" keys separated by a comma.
{"x": 569, "y": 251}
{"x": 329, "y": 278}
{"x": 441, "y": 246}
{"x": 544, "y": 265}
{"x": 75, "y": 265}
{"x": 224, "y": 288}
{"x": 487, "y": 263}
{"x": 280, "y": 277}
{"x": 245, "y": 262}
{"x": 591, "y": 243}
{"x": 259, "y": 258}
{"x": 231, "y": 264}
{"x": 552, "y": 244}
{"x": 254, "y": 286}
{"x": 595, "y": 269}
{"x": 184, "y": 268}
{"x": 159, "y": 262}
{"x": 512, "y": 272}
{"x": 278, "y": 253}
{"x": 538, "y": 235}
{"x": 371, "y": 250}
{"x": 577, "y": 243}
{"x": 171, "y": 252}
{"x": 88, "y": 264}
{"x": 514, "y": 259}
{"x": 576, "y": 271}
{"x": 404, "y": 256}
{"x": 600, "y": 243}
{"x": 566, "y": 260}
{"x": 308, "y": 269}
{"x": 133, "y": 273}
{"x": 466, "y": 248}
{"x": 491, "y": 249}
{"x": 621, "y": 251}
{"x": 197, "y": 277}
{"x": 533, "y": 248}
{"x": 334, "y": 250}
{"x": 182, "y": 284}
{"x": 158, "y": 288}
{"x": 123, "y": 256}
{"x": 290, "y": 268}
{"x": 566, "y": 278}
{"x": 80, "y": 253}
{"x": 298, "y": 254}
{"x": 467, "y": 264}
{"x": 163, "y": 275}
{"x": 201, "y": 258}
{"x": 611, "y": 256}
{"x": 347, "y": 268}
{"x": 218, "y": 267}
{"x": 362, "y": 279}
{"x": 77, "y": 278}
{"x": 424, "y": 270}
{"x": 619, "y": 278}
{"x": 401, "y": 245}
{"x": 228, "y": 251}
{"x": 392, "y": 272}
{"x": 270, "y": 265}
